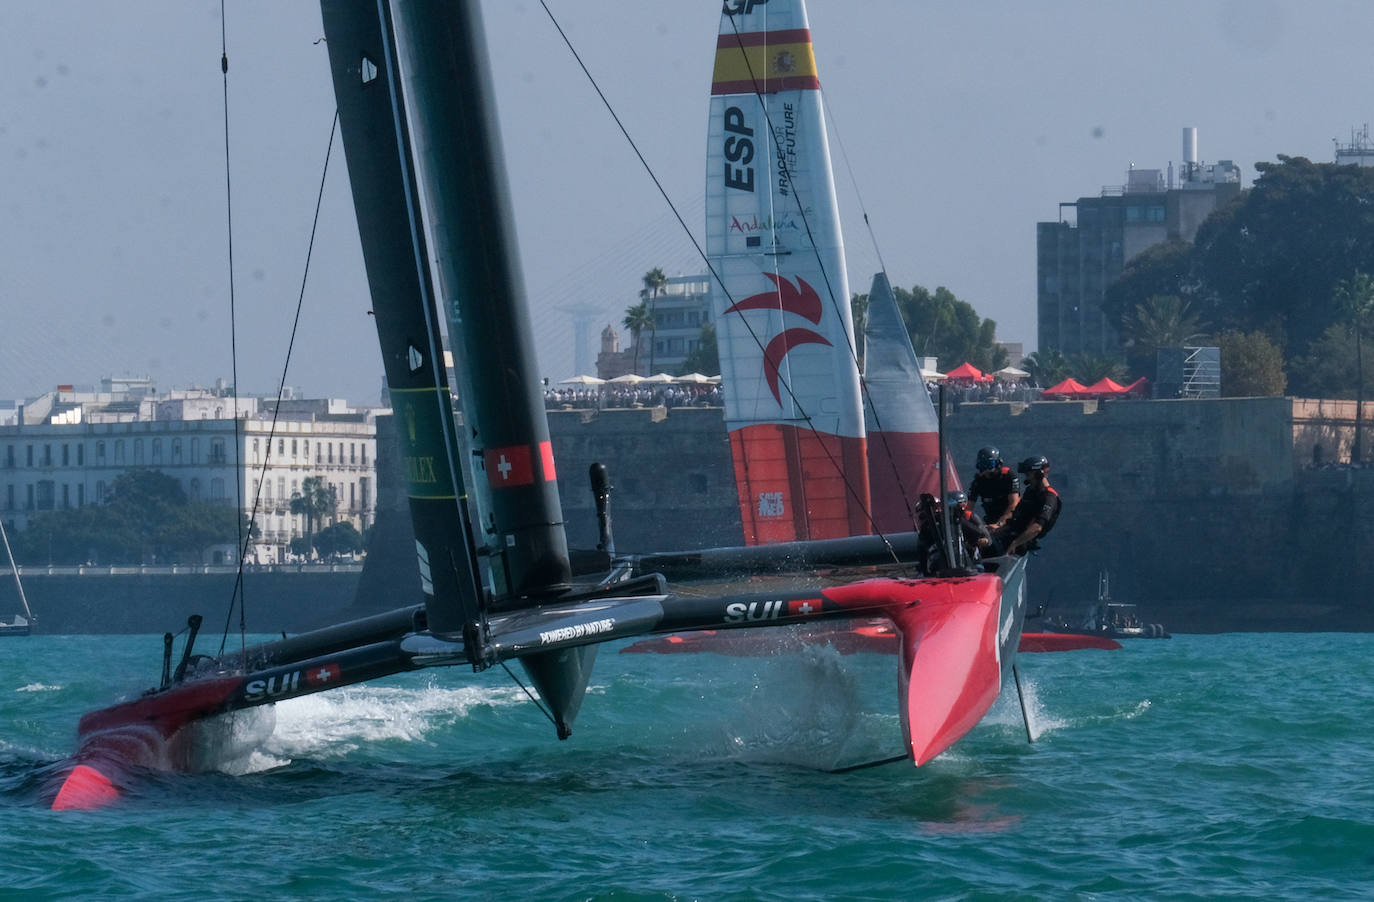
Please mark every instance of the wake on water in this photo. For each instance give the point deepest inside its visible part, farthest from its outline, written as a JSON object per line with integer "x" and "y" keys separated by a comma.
{"x": 810, "y": 708}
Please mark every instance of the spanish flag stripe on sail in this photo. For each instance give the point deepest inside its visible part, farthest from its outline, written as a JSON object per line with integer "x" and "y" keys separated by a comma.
{"x": 768, "y": 62}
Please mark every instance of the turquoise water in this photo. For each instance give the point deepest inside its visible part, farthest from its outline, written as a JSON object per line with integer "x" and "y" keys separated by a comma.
{"x": 1202, "y": 767}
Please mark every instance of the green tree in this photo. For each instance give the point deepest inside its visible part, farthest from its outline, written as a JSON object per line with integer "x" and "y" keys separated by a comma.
{"x": 942, "y": 326}
{"x": 1047, "y": 368}
{"x": 637, "y": 319}
{"x": 341, "y": 538}
{"x": 1090, "y": 368}
{"x": 1162, "y": 321}
{"x": 1162, "y": 269}
{"x": 705, "y": 357}
{"x": 1272, "y": 259}
{"x": 654, "y": 283}
{"x": 315, "y": 501}
{"x": 145, "y": 519}
{"x": 1354, "y": 298}
{"x": 1251, "y": 365}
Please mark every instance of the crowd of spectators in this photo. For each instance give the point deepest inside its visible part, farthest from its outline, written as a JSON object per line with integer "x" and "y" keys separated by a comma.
{"x": 605, "y": 397}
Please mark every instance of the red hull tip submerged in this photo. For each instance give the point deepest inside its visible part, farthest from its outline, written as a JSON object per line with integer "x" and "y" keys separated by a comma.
{"x": 1038, "y": 642}
{"x": 85, "y": 789}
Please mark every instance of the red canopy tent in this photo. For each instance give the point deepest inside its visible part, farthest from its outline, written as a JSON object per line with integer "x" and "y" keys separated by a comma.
{"x": 1105, "y": 386}
{"x": 1139, "y": 388}
{"x": 967, "y": 372}
{"x": 1069, "y": 388}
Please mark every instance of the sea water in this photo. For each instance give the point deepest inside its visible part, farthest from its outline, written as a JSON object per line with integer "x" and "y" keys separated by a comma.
{"x": 1202, "y": 767}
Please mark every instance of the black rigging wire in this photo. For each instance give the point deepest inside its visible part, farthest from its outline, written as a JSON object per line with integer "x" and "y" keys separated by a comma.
{"x": 286, "y": 364}
{"x": 233, "y": 337}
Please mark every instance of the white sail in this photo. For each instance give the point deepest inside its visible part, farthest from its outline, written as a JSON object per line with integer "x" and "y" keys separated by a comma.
{"x": 781, "y": 305}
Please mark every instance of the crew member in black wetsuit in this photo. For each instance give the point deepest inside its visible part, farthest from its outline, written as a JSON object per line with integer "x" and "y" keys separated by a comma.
{"x": 997, "y": 485}
{"x": 970, "y": 525}
{"x": 1035, "y": 516}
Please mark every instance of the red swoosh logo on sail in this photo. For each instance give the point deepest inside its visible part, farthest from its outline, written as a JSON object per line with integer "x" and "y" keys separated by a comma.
{"x": 800, "y": 299}
{"x": 777, "y": 349}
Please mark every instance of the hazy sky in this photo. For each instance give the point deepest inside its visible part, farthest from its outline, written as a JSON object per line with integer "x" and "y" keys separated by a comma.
{"x": 962, "y": 124}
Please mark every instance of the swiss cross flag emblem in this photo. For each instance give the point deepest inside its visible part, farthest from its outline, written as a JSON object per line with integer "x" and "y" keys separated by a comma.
{"x": 323, "y": 675}
{"x": 803, "y": 607}
{"x": 509, "y": 466}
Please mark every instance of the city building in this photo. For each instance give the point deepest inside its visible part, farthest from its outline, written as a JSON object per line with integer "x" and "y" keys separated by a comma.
{"x": 66, "y": 448}
{"x": 1082, "y": 253}
{"x": 680, "y": 309}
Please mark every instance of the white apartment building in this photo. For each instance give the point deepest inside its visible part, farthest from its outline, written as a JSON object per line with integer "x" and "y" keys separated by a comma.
{"x": 66, "y": 450}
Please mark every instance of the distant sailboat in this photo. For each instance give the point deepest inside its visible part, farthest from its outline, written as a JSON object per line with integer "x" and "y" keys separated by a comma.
{"x": 494, "y": 581}
{"x": 15, "y": 624}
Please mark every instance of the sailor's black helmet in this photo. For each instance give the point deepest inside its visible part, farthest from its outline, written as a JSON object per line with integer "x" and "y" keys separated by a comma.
{"x": 956, "y": 498}
{"x": 989, "y": 458}
{"x": 1036, "y": 464}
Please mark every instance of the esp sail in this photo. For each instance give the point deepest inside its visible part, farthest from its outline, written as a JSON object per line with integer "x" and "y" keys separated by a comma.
{"x": 781, "y": 303}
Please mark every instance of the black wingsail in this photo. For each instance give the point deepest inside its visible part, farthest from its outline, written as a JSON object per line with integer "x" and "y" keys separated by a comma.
{"x": 419, "y": 128}
{"x": 376, "y": 138}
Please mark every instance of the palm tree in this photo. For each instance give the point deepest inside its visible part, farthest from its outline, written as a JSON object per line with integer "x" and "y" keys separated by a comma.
{"x": 1354, "y": 297}
{"x": 316, "y": 500}
{"x": 1047, "y": 368}
{"x": 1163, "y": 321}
{"x": 654, "y": 282}
{"x": 637, "y": 319}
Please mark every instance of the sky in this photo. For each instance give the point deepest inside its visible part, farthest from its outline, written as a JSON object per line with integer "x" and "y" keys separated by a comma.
{"x": 954, "y": 129}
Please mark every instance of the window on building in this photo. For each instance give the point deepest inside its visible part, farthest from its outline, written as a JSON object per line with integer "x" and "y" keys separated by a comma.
{"x": 28, "y": 501}
{"x": 81, "y": 454}
{"x": 281, "y": 488}
{"x": 9, "y": 456}
{"x": 100, "y": 490}
{"x": 293, "y": 447}
{"x": 353, "y": 452}
{"x": 195, "y": 450}
{"x": 80, "y": 494}
{"x": 119, "y": 451}
{"x": 364, "y": 453}
{"x": 47, "y": 455}
{"x": 331, "y": 452}
{"x": 28, "y": 455}
{"x": 157, "y": 450}
{"x": 255, "y": 451}
{"x": 195, "y": 487}
{"x": 66, "y": 456}
{"x": 138, "y": 451}
{"x": 217, "y": 489}
{"x": 66, "y": 496}
{"x": 267, "y": 490}
{"x": 176, "y": 450}
{"x": 100, "y": 452}
{"x": 217, "y": 451}
{"x": 46, "y": 494}
{"x": 281, "y": 447}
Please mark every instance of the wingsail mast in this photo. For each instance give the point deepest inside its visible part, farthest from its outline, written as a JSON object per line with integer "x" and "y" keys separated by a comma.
{"x": 416, "y": 109}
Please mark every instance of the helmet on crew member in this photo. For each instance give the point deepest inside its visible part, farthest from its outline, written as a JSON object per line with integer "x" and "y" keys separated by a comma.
{"x": 989, "y": 458}
{"x": 1036, "y": 464}
{"x": 956, "y": 498}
